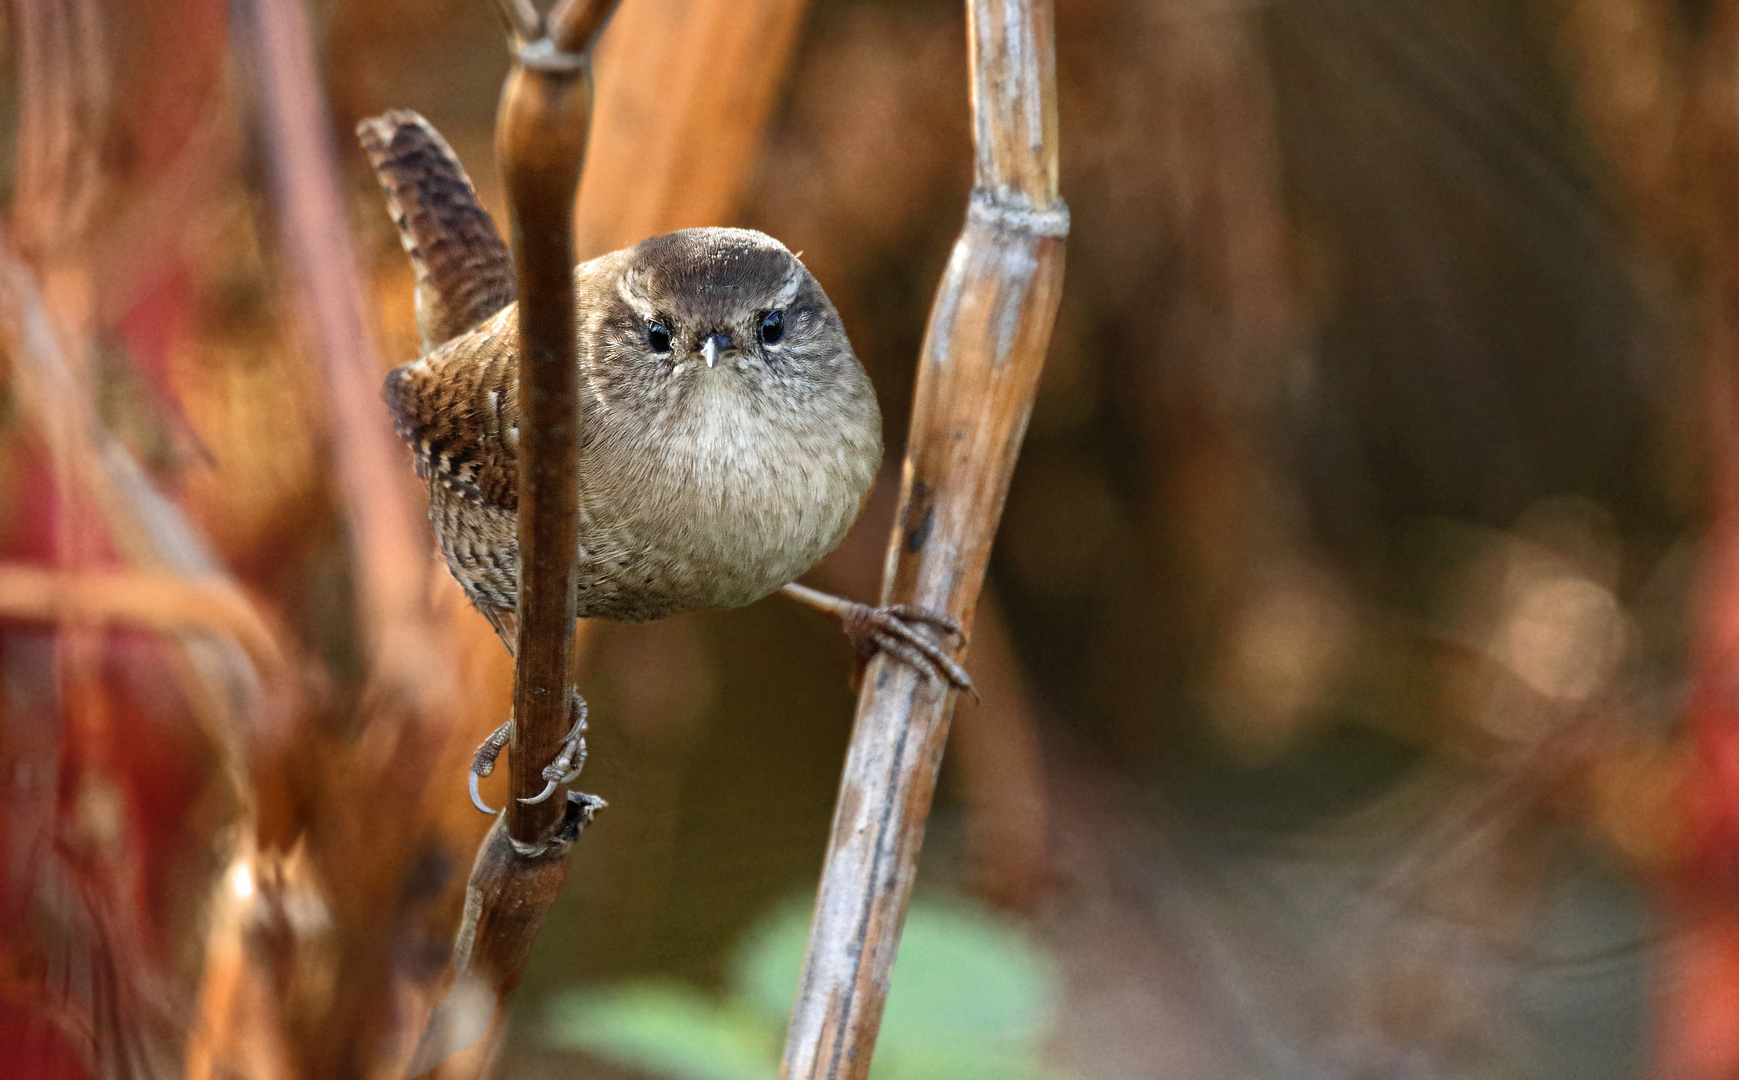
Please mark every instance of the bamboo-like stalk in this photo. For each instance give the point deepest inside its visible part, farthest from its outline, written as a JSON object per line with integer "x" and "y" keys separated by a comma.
{"x": 978, "y": 372}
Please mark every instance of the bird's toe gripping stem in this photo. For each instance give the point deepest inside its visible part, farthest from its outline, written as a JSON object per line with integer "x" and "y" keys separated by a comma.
{"x": 558, "y": 773}
{"x": 893, "y": 629}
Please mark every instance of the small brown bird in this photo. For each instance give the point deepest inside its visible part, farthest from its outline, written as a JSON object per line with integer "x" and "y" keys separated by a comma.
{"x": 729, "y": 434}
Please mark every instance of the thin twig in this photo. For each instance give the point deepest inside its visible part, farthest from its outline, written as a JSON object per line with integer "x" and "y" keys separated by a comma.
{"x": 977, "y": 376}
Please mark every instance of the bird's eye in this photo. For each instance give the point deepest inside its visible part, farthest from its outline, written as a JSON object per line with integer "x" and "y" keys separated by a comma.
{"x": 658, "y": 336}
{"x": 772, "y": 327}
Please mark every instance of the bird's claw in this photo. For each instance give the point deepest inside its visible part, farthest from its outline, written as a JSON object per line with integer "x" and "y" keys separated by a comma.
{"x": 558, "y": 773}
{"x": 893, "y": 629}
{"x": 548, "y": 790}
{"x": 477, "y": 797}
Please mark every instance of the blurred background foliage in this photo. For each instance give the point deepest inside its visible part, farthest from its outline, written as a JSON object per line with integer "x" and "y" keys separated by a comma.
{"x": 1356, "y": 652}
{"x": 970, "y": 997}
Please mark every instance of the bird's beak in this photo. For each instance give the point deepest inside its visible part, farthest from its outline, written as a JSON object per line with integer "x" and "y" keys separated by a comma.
{"x": 712, "y": 346}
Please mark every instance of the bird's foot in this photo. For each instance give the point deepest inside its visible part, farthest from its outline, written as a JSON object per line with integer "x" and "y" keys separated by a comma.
{"x": 483, "y": 762}
{"x": 558, "y": 773}
{"x": 894, "y": 629}
{"x": 565, "y": 769}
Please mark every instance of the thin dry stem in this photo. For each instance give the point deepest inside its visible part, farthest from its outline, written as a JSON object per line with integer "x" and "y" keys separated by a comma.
{"x": 545, "y": 111}
{"x": 519, "y": 869}
{"x": 977, "y": 376}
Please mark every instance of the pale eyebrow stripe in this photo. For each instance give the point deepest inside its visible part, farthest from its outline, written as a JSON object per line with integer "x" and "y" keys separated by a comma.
{"x": 634, "y": 299}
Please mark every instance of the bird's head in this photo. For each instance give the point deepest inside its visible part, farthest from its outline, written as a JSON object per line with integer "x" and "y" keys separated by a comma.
{"x": 720, "y": 317}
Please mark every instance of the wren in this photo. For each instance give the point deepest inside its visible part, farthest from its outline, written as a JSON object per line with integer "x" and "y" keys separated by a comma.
{"x": 729, "y": 435}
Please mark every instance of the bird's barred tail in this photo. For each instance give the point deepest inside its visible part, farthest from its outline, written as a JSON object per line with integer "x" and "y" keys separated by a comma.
{"x": 464, "y": 274}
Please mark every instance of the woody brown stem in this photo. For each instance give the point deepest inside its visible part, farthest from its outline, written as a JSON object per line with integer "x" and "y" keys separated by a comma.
{"x": 520, "y": 866}
{"x": 978, "y": 372}
{"x": 545, "y": 111}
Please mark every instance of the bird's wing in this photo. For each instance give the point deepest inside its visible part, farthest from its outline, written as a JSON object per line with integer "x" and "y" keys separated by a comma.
{"x": 458, "y": 410}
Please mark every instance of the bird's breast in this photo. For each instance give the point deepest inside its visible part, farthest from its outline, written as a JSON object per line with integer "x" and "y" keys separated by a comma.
{"x": 720, "y": 506}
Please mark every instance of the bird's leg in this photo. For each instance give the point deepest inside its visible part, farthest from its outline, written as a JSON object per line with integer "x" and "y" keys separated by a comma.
{"x": 558, "y": 773}
{"x": 483, "y": 763}
{"x": 892, "y": 629}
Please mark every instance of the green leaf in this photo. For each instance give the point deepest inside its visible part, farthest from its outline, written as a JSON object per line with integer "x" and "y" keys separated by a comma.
{"x": 957, "y": 1064}
{"x": 964, "y": 980}
{"x": 769, "y": 960}
{"x": 970, "y": 999}
{"x": 667, "y": 1029}
{"x": 964, "y": 984}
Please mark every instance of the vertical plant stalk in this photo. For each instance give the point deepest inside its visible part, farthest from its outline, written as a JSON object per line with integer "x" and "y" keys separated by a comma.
{"x": 541, "y": 129}
{"x": 978, "y": 372}
{"x": 546, "y": 108}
